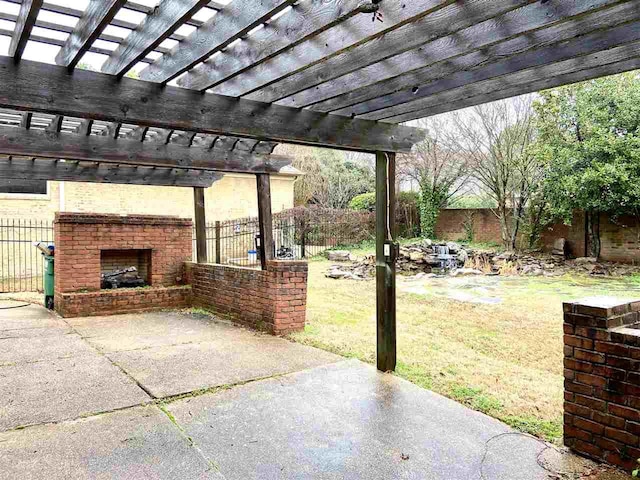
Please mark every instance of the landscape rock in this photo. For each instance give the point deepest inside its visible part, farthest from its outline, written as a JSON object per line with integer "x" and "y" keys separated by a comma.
{"x": 559, "y": 247}
{"x": 465, "y": 272}
{"x": 583, "y": 260}
{"x": 339, "y": 255}
{"x": 427, "y": 258}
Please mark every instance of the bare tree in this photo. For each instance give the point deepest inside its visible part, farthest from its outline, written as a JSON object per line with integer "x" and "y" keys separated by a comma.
{"x": 497, "y": 137}
{"x": 439, "y": 166}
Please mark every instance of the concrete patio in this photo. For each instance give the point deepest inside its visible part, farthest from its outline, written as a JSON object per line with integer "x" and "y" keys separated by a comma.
{"x": 179, "y": 395}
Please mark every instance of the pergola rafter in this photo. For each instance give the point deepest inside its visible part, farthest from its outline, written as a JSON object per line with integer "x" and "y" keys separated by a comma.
{"x": 338, "y": 73}
{"x": 16, "y": 168}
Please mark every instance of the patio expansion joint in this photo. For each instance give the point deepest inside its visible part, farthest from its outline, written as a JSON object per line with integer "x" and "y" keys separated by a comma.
{"x": 105, "y": 356}
{"x": 213, "y": 465}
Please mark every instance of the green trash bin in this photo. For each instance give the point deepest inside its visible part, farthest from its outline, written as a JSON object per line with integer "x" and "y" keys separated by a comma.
{"x": 48, "y": 281}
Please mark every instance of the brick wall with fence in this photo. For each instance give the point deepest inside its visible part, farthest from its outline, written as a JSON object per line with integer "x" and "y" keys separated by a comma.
{"x": 602, "y": 379}
{"x": 273, "y": 300}
{"x": 298, "y": 233}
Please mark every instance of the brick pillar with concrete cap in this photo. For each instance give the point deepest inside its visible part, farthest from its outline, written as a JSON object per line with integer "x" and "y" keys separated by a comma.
{"x": 602, "y": 379}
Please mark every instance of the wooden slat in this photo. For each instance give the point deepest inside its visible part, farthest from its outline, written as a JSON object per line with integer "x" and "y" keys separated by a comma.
{"x": 154, "y": 29}
{"x": 358, "y": 43}
{"x": 594, "y": 48}
{"x": 60, "y": 43}
{"x": 55, "y": 125}
{"x": 94, "y": 20}
{"x": 519, "y": 85}
{"x": 233, "y": 22}
{"x": 303, "y": 21}
{"x": 73, "y": 12}
{"x": 200, "y": 224}
{"x": 385, "y": 262}
{"x": 84, "y": 128}
{"x": 58, "y": 27}
{"x": 112, "y": 130}
{"x": 265, "y": 219}
{"x": 41, "y": 169}
{"x": 25, "y": 120}
{"x": 38, "y": 87}
{"x": 464, "y": 49}
{"x": 138, "y": 133}
{"x": 36, "y": 143}
{"x": 24, "y": 24}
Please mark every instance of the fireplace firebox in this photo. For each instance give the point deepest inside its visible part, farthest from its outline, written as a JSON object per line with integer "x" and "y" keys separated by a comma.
{"x": 125, "y": 268}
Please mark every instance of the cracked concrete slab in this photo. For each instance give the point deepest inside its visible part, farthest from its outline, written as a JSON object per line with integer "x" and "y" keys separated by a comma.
{"x": 136, "y": 443}
{"x": 348, "y": 421}
{"x": 32, "y": 349}
{"x": 238, "y": 356}
{"x": 135, "y": 331}
{"x": 63, "y": 389}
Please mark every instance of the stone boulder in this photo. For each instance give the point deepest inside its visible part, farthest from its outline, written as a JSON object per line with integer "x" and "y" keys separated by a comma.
{"x": 339, "y": 255}
{"x": 559, "y": 247}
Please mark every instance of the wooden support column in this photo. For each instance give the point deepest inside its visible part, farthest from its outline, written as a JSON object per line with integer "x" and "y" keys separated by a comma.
{"x": 386, "y": 254}
{"x": 265, "y": 219}
{"x": 201, "y": 224}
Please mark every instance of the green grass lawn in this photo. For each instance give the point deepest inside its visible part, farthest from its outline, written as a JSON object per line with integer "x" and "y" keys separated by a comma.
{"x": 504, "y": 359}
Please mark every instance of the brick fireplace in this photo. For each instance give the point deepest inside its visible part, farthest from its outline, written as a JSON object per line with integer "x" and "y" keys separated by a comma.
{"x": 88, "y": 245}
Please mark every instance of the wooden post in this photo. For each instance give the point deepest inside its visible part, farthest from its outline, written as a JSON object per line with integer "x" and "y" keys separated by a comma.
{"x": 265, "y": 219}
{"x": 217, "y": 241}
{"x": 386, "y": 253}
{"x": 201, "y": 225}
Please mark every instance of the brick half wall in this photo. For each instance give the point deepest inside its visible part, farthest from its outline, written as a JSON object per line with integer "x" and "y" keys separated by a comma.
{"x": 602, "y": 379}
{"x": 273, "y": 300}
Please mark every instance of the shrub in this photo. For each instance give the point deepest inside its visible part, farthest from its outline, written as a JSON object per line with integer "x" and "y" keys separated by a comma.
{"x": 407, "y": 217}
{"x": 363, "y": 202}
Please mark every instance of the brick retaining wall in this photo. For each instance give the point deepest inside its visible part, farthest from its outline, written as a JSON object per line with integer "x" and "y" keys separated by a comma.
{"x": 273, "y": 300}
{"x": 602, "y": 379}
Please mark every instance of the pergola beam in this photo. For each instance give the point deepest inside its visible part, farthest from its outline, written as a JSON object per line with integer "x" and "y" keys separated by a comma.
{"x": 22, "y": 30}
{"x": 96, "y": 17}
{"x": 39, "y": 87}
{"x": 46, "y": 169}
{"x": 154, "y": 29}
{"x": 37, "y": 143}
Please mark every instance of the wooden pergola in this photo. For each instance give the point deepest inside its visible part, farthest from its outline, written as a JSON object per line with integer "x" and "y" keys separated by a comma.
{"x": 216, "y": 95}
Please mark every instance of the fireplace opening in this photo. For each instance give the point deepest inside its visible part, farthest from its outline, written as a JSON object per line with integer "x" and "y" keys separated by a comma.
{"x": 125, "y": 268}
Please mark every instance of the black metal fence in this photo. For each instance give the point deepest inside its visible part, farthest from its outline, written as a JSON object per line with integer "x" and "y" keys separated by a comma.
{"x": 298, "y": 233}
{"x": 21, "y": 264}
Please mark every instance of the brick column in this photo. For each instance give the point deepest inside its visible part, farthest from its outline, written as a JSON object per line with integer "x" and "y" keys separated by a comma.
{"x": 602, "y": 379}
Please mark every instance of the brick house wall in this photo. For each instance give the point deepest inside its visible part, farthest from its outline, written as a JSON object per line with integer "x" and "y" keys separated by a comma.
{"x": 234, "y": 196}
{"x": 273, "y": 300}
{"x": 602, "y": 379}
{"x": 79, "y": 240}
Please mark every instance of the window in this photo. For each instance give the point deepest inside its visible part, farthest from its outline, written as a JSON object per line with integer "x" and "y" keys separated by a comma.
{"x": 28, "y": 187}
